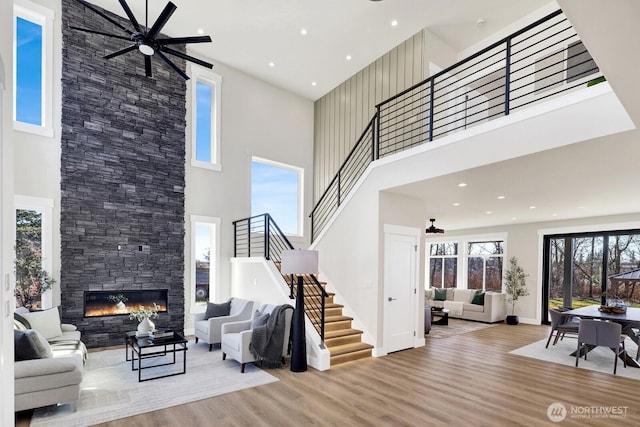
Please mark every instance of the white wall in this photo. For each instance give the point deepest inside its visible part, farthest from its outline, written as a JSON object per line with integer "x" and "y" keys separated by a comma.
{"x": 7, "y": 222}
{"x": 261, "y": 120}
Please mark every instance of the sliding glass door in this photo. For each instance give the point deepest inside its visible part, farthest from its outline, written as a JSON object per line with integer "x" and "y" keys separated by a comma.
{"x": 578, "y": 267}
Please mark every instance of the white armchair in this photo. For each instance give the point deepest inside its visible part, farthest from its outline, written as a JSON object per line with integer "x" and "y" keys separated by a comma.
{"x": 208, "y": 330}
{"x": 236, "y": 338}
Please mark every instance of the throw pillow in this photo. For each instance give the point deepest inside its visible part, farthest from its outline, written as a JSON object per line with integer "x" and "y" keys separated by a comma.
{"x": 47, "y": 322}
{"x": 20, "y": 322}
{"x": 440, "y": 294}
{"x": 217, "y": 310}
{"x": 259, "y": 319}
{"x": 478, "y": 298}
{"x": 29, "y": 345}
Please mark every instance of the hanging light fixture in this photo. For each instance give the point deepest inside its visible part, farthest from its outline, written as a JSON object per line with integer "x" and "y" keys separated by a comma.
{"x": 433, "y": 228}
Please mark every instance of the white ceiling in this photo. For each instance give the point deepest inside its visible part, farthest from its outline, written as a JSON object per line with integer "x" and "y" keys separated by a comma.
{"x": 581, "y": 180}
{"x": 249, "y": 34}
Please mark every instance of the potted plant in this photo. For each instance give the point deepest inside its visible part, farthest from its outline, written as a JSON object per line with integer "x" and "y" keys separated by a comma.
{"x": 144, "y": 316}
{"x": 119, "y": 300}
{"x": 515, "y": 286}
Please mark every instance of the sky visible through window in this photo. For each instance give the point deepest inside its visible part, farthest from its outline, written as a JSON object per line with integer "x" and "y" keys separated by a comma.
{"x": 203, "y": 122}
{"x": 28, "y": 72}
{"x": 274, "y": 190}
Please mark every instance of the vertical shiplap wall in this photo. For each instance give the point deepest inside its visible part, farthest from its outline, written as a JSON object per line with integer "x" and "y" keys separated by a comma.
{"x": 341, "y": 115}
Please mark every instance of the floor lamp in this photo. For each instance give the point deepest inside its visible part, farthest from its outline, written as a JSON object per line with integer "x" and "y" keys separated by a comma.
{"x": 299, "y": 262}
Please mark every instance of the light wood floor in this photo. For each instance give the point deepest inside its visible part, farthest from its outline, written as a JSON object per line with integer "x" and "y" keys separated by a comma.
{"x": 464, "y": 380}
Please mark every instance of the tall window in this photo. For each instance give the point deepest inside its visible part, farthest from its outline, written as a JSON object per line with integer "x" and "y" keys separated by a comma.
{"x": 443, "y": 265}
{"x": 484, "y": 265}
{"x": 206, "y": 87}
{"x": 204, "y": 258}
{"x": 276, "y": 189}
{"x": 578, "y": 268}
{"x": 33, "y": 247}
{"x": 33, "y": 79}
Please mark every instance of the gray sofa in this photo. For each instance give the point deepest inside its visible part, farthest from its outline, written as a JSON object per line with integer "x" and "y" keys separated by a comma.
{"x": 54, "y": 378}
{"x": 491, "y": 310}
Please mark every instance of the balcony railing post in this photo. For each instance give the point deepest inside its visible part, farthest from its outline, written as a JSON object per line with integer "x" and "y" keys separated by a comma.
{"x": 235, "y": 239}
{"x": 249, "y": 237}
{"x": 431, "y": 92}
{"x": 339, "y": 185}
{"x": 267, "y": 236}
{"x": 507, "y": 77}
{"x": 375, "y": 140}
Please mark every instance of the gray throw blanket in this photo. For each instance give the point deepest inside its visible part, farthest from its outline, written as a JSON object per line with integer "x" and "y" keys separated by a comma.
{"x": 267, "y": 340}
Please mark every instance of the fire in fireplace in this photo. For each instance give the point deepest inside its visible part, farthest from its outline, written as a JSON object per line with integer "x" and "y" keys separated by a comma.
{"x": 114, "y": 303}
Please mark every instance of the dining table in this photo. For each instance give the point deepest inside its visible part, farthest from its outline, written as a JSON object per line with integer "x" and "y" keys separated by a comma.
{"x": 628, "y": 320}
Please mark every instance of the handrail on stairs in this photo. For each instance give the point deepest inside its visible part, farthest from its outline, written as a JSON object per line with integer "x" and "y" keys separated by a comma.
{"x": 544, "y": 59}
{"x": 260, "y": 236}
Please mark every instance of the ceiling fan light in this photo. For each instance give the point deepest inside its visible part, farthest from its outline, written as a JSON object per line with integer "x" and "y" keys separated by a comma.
{"x": 146, "y": 49}
{"x": 433, "y": 228}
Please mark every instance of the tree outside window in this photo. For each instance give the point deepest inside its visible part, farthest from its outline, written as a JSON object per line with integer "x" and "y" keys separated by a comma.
{"x": 484, "y": 265}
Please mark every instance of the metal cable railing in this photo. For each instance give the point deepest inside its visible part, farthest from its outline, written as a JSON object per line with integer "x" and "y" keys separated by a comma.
{"x": 260, "y": 236}
{"x": 540, "y": 61}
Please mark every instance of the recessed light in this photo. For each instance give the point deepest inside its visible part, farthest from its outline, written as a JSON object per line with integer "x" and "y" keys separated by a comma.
{"x": 348, "y": 57}
{"x": 394, "y": 23}
{"x": 313, "y": 83}
{"x": 513, "y": 219}
{"x": 456, "y": 204}
{"x": 488, "y": 212}
{"x": 554, "y": 214}
{"x": 500, "y": 197}
{"x": 462, "y": 184}
{"x": 272, "y": 64}
{"x": 303, "y": 31}
{"x": 532, "y": 207}
{"x": 200, "y": 31}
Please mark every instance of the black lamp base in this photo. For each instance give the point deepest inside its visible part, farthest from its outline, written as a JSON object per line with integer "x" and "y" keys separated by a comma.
{"x": 298, "y": 338}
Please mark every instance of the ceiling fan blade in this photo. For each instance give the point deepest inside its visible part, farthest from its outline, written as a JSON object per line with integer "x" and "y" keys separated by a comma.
{"x": 121, "y": 51}
{"x": 172, "y": 65}
{"x": 161, "y": 21}
{"x": 108, "y": 18}
{"x": 102, "y": 33}
{"x": 147, "y": 65}
{"x": 187, "y": 57}
{"x": 184, "y": 40}
{"x": 129, "y": 13}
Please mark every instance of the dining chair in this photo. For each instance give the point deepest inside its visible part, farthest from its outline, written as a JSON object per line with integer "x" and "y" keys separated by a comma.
{"x": 598, "y": 333}
{"x": 561, "y": 325}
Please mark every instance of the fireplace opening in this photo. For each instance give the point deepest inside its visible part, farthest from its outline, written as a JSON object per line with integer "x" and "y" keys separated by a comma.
{"x": 115, "y": 303}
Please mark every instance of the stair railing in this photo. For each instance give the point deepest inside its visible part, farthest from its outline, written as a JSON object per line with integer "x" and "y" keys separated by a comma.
{"x": 542, "y": 60}
{"x": 260, "y": 236}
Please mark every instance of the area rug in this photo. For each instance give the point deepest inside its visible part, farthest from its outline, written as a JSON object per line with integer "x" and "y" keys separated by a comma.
{"x": 456, "y": 327}
{"x": 599, "y": 359}
{"x": 110, "y": 389}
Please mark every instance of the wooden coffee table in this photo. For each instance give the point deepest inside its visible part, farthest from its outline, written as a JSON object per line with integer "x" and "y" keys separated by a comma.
{"x": 145, "y": 348}
{"x": 441, "y": 314}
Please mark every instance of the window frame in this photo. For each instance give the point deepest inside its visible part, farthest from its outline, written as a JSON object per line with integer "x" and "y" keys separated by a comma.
{"x": 213, "y": 80}
{"x": 45, "y": 208}
{"x": 300, "y": 193}
{"x": 443, "y": 258}
{"x": 44, "y": 17}
{"x": 463, "y": 255}
{"x": 214, "y": 257}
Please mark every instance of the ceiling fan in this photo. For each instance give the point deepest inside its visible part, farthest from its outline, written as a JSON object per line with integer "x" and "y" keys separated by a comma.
{"x": 433, "y": 228}
{"x": 146, "y": 39}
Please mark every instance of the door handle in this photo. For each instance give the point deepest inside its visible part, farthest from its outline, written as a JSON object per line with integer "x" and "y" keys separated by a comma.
{"x": 392, "y": 299}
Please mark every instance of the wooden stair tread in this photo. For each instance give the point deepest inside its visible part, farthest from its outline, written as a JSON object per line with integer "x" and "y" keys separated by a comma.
{"x": 330, "y": 319}
{"x": 341, "y": 333}
{"x": 349, "y": 348}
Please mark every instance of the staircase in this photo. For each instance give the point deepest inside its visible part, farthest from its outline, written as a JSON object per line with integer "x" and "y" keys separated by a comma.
{"x": 344, "y": 343}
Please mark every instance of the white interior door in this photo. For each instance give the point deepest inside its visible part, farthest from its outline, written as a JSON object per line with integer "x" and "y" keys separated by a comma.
{"x": 400, "y": 289}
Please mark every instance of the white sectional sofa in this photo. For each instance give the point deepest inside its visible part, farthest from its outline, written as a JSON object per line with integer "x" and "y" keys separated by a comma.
{"x": 489, "y": 307}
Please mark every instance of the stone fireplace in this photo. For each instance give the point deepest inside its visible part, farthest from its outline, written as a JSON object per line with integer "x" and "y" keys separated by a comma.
{"x": 122, "y": 179}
